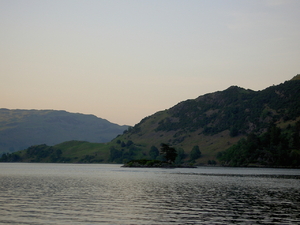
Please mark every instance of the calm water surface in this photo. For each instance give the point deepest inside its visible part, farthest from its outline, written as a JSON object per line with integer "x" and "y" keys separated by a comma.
{"x": 108, "y": 194}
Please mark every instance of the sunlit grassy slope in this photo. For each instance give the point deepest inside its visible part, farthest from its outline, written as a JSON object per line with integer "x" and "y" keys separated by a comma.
{"x": 214, "y": 122}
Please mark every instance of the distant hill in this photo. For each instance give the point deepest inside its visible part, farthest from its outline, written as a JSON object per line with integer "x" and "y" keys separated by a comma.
{"x": 19, "y": 129}
{"x": 223, "y": 125}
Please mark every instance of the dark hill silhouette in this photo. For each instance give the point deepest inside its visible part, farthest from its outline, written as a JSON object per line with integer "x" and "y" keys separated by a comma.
{"x": 20, "y": 129}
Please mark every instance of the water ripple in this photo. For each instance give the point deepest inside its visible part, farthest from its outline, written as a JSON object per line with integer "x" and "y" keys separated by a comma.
{"x": 155, "y": 197}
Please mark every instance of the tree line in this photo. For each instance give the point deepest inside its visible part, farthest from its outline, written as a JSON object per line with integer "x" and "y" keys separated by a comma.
{"x": 36, "y": 153}
{"x": 276, "y": 147}
{"x": 129, "y": 151}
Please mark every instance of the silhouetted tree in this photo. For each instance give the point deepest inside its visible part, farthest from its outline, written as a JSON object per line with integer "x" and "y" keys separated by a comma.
{"x": 153, "y": 153}
{"x": 114, "y": 154}
{"x": 168, "y": 152}
{"x": 195, "y": 153}
{"x": 180, "y": 156}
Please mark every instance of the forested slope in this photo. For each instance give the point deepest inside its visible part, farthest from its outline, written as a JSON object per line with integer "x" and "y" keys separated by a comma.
{"x": 234, "y": 127}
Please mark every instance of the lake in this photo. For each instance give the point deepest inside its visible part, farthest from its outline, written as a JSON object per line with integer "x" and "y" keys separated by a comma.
{"x": 34, "y": 193}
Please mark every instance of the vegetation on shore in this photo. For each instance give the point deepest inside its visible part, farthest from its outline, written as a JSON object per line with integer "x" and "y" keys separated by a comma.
{"x": 85, "y": 152}
{"x": 234, "y": 127}
{"x": 66, "y": 152}
{"x": 156, "y": 164}
{"x": 275, "y": 148}
{"x": 20, "y": 129}
{"x": 217, "y": 121}
{"x": 168, "y": 154}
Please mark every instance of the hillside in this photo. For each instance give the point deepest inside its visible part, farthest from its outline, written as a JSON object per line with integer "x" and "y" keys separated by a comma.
{"x": 218, "y": 120}
{"x": 221, "y": 125}
{"x": 20, "y": 129}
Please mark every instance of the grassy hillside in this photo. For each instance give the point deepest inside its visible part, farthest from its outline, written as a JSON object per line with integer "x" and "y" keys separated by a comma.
{"x": 218, "y": 120}
{"x": 220, "y": 124}
{"x": 66, "y": 152}
{"x": 20, "y": 129}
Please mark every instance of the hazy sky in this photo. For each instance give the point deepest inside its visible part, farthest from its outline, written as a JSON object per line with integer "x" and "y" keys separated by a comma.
{"x": 125, "y": 60}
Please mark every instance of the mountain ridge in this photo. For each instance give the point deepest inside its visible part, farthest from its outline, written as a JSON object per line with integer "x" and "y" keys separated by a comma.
{"x": 21, "y": 128}
{"x": 213, "y": 123}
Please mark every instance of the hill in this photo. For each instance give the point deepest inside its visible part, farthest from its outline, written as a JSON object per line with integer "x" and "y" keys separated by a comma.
{"x": 216, "y": 121}
{"x": 221, "y": 125}
{"x": 19, "y": 129}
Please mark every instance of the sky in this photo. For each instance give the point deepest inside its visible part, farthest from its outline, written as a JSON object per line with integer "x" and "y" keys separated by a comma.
{"x": 126, "y": 60}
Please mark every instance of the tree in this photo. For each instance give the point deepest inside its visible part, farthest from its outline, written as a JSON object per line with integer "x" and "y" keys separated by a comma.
{"x": 129, "y": 143}
{"x": 153, "y": 153}
{"x": 123, "y": 144}
{"x": 4, "y": 157}
{"x": 195, "y": 153}
{"x": 168, "y": 152}
{"x": 58, "y": 153}
{"x": 180, "y": 156}
{"x": 233, "y": 132}
{"x": 114, "y": 154}
{"x": 211, "y": 162}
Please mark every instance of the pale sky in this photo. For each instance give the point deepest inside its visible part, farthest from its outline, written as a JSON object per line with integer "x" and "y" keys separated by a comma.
{"x": 125, "y": 60}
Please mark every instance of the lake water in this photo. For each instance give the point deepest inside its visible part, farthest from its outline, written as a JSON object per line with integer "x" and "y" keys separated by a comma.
{"x": 109, "y": 194}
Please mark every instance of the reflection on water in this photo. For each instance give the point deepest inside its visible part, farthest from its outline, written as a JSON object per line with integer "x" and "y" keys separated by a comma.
{"x": 108, "y": 194}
